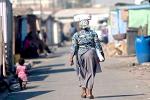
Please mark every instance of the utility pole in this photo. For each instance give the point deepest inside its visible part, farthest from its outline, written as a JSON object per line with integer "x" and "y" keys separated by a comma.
{"x": 41, "y": 14}
{"x": 53, "y": 7}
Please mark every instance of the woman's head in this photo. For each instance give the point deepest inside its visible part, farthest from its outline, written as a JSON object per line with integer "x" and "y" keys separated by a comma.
{"x": 84, "y": 24}
{"x": 21, "y": 61}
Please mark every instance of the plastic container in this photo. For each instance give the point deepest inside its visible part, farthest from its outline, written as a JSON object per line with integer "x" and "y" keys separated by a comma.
{"x": 142, "y": 45}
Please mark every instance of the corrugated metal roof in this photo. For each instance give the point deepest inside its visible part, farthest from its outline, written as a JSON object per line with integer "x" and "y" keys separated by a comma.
{"x": 132, "y": 7}
{"x": 112, "y": 2}
{"x": 72, "y": 12}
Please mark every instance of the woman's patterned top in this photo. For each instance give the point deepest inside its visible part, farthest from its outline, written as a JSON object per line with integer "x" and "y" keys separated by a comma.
{"x": 84, "y": 40}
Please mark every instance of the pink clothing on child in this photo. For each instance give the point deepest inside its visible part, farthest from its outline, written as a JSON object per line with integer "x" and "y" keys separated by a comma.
{"x": 21, "y": 72}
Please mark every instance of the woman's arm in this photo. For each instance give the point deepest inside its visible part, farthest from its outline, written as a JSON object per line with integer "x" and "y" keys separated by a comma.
{"x": 97, "y": 42}
{"x": 74, "y": 47}
{"x": 98, "y": 45}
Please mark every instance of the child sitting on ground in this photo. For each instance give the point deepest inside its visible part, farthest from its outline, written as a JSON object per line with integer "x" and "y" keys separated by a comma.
{"x": 21, "y": 72}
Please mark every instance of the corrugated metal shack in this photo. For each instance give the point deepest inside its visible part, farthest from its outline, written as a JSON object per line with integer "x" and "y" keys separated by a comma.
{"x": 127, "y": 22}
{"x": 6, "y": 37}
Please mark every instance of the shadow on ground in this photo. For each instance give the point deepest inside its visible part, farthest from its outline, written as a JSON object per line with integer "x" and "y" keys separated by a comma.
{"x": 51, "y": 55}
{"x": 27, "y": 95}
{"x": 48, "y": 66}
{"x": 118, "y": 96}
{"x": 37, "y": 78}
{"x": 41, "y": 72}
{"x": 16, "y": 87}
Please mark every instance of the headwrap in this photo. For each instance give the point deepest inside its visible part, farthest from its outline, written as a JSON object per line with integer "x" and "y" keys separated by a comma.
{"x": 84, "y": 23}
{"x": 83, "y": 20}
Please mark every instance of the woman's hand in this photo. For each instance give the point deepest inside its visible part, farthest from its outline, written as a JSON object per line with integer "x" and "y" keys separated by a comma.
{"x": 98, "y": 61}
{"x": 71, "y": 62}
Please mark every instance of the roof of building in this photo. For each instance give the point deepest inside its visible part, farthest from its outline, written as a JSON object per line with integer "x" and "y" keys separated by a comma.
{"x": 71, "y": 12}
{"x": 132, "y": 7}
{"x": 113, "y": 2}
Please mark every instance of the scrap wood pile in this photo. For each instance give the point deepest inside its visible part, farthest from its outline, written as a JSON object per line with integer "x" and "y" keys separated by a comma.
{"x": 115, "y": 49}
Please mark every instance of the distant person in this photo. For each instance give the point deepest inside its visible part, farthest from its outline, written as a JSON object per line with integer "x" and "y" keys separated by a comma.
{"x": 62, "y": 39}
{"x": 40, "y": 35}
{"x": 21, "y": 72}
{"x": 42, "y": 42}
{"x": 44, "y": 34}
{"x": 104, "y": 30}
{"x": 27, "y": 43}
{"x": 73, "y": 29}
{"x": 62, "y": 35}
{"x": 31, "y": 46}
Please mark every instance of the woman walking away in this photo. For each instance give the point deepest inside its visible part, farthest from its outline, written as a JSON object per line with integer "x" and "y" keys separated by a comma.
{"x": 83, "y": 48}
{"x": 21, "y": 72}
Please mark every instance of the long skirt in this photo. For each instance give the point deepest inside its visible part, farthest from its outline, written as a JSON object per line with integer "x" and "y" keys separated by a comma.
{"x": 87, "y": 67}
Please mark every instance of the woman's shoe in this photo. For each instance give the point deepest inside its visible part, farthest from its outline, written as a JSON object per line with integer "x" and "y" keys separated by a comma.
{"x": 89, "y": 94}
{"x": 90, "y": 97}
{"x": 83, "y": 95}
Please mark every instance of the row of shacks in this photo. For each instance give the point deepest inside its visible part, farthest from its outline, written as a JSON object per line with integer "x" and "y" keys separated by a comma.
{"x": 66, "y": 16}
{"x": 126, "y": 23}
{"x": 24, "y": 24}
{"x": 15, "y": 28}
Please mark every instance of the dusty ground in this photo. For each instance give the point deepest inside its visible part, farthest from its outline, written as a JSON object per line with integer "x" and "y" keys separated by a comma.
{"x": 51, "y": 78}
{"x": 140, "y": 71}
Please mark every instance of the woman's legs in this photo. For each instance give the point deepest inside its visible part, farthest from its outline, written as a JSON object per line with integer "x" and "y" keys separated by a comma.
{"x": 89, "y": 93}
{"x": 83, "y": 94}
{"x": 87, "y": 71}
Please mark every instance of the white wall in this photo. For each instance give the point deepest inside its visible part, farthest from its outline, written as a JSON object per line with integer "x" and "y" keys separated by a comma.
{"x": 55, "y": 31}
{"x": 49, "y": 27}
